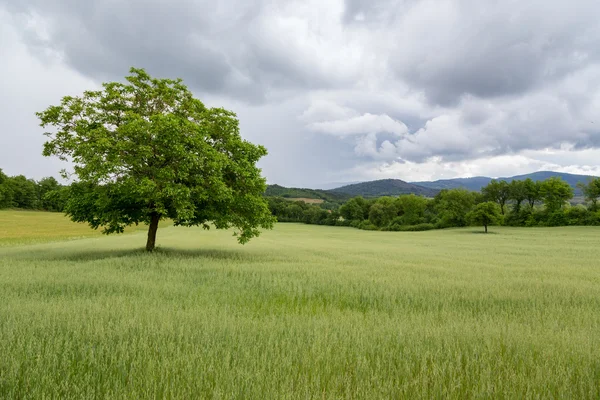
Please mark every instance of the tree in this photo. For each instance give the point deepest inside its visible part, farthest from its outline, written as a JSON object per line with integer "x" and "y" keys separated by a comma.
{"x": 412, "y": 209}
{"x": 355, "y": 209}
{"x": 485, "y": 214}
{"x": 5, "y": 191}
{"x": 49, "y": 193}
{"x": 452, "y": 206}
{"x": 498, "y": 191}
{"x": 555, "y": 192}
{"x": 591, "y": 192}
{"x": 23, "y": 191}
{"x": 518, "y": 193}
{"x": 532, "y": 192}
{"x": 382, "y": 212}
{"x": 146, "y": 150}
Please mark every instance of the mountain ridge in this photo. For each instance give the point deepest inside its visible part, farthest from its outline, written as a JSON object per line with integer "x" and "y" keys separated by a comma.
{"x": 396, "y": 187}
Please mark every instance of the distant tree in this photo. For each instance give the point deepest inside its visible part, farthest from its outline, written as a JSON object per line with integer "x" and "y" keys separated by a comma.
{"x": 452, "y": 207}
{"x": 5, "y": 191}
{"x": 497, "y": 191}
{"x": 591, "y": 192}
{"x": 485, "y": 214}
{"x": 518, "y": 193}
{"x": 532, "y": 192}
{"x": 147, "y": 150}
{"x": 48, "y": 200}
{"x": 382, "y": 211}
{"x": 555, "y": 192}
{"x": 412, "y": 209}
{"x": 355, "y": 209}
{"x": 23, "y": 191}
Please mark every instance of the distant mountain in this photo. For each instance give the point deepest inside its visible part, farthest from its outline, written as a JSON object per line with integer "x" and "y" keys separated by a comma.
{"x": 395, "y": 187}
{"x": 478, "y": 182}
{"x": 474, "y": 184}
{"x": 385, "y": 187}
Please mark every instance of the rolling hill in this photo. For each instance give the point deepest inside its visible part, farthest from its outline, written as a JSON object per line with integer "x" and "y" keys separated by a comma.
{"x": 385, "y": 187}
{"x": 303, "y": 193}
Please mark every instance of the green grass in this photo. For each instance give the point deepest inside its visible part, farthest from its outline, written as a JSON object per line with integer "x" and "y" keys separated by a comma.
{"x": 21, "y": 227}
{"x": 304, "y": 312}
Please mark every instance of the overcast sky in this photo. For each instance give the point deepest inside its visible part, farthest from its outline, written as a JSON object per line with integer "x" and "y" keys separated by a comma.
{"x": 337, "y": 90}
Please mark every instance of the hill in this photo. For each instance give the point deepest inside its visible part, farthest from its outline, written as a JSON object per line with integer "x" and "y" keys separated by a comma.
{"x": 476, "y": 183}
{"x": 385, "y": 187}
{"x": 304, "y": 193}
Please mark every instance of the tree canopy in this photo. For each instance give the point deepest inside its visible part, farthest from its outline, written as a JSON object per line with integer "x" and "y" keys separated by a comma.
{"x": 485, "y": 214}
{"x": 146, "y": 150}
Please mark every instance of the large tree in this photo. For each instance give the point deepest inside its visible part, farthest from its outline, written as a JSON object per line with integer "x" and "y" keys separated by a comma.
{"x": 532, "y": 192}
{"x": 146, "y": 149}
{"x": 518, "y": 193}
{"x": 555, "y": 192}
{"x": 498, "y": 191}
{"x": 452, "y": 206}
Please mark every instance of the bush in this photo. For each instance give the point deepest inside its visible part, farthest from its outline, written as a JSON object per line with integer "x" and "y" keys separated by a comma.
{"x": 411, "y": 228}
{"x": 367, "y": 226}
{"x": 557, "y": 218}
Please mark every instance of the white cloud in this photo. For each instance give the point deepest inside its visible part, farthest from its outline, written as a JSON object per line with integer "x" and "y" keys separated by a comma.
{"x": 360, "y": 125}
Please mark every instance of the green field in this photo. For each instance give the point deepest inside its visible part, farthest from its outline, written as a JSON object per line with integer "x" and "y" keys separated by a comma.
{"x": 25, "y": 227}
{"x": 302, "y": 312}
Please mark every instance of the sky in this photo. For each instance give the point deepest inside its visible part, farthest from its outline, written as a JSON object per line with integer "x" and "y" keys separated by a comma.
{"x": 336, "y": 90}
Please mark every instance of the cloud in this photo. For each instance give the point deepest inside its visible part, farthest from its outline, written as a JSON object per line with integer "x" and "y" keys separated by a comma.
{"x": 360, "y": 125}
{"x": 489, "y": 49}
{"x": 337, "y": 90}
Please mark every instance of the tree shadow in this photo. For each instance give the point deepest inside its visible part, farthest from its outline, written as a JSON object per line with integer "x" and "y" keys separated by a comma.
{"x": 90, "y": 254}
{"x": 481, "y": 232}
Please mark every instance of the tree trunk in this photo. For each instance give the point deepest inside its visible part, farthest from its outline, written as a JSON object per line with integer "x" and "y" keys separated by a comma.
{"x": 485, "y": 226}
{"x": 151, "y": 243}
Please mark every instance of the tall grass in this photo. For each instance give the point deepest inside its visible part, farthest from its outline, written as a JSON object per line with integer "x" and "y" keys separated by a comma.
{"x": 304, "y": 312}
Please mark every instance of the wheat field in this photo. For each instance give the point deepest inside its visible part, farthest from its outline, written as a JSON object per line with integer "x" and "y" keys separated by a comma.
{"x": 301, "y": 312}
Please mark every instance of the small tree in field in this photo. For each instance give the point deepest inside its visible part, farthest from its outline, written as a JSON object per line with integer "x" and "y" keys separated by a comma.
{"x": 147, "y": 150}
{"x": 485, "y": 214}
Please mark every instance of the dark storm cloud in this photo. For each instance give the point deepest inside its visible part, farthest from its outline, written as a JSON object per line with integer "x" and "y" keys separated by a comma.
{"x": 216, "y": 47}
{"x": 333, "y": 87}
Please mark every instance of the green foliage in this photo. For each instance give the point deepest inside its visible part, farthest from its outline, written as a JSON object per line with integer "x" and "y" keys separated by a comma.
{"x": 147, "y": 150}
{"x": 397, "y": 227}
{"x": 412, "y": 209}
{"x": 518, "y": 194}
{"x": 497, "y": 191}
{"x": 485, "y": 214}
{"x": 452, "y": 207}
{"x": 555, "y": 192}
{"x": 23, "y": 192}
{"x": 591, "y": 192}
{"x": 356, "y": 209}
{"x": 532, "y": 192}
{"x": 382, "y": 211}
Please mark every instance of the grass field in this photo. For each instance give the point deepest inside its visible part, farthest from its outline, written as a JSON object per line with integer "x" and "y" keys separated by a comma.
{"x": 304, "y": 312}
{"x": 23, "y": 227}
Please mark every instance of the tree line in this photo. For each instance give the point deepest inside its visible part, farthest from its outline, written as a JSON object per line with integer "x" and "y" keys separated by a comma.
{"x": 518, "y": 203}
{"x": 27, "y": 194}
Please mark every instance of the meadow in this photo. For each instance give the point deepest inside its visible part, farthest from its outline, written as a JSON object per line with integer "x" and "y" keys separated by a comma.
{"x": 301, "y": 312}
